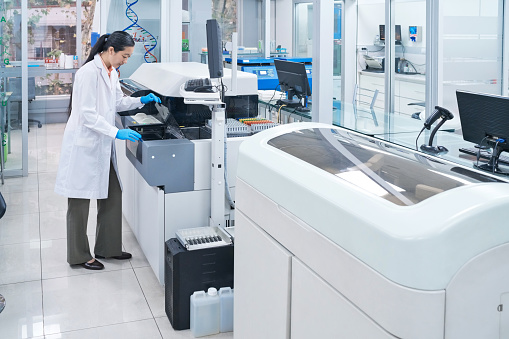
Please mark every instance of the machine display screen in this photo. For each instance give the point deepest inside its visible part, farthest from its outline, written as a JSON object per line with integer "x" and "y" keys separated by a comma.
{"x": 263, "y": 72}
{"x": 398, "y": 175}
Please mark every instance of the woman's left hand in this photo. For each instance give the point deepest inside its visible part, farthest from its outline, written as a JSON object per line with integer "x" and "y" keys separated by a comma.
{"x": 149, "y": 98}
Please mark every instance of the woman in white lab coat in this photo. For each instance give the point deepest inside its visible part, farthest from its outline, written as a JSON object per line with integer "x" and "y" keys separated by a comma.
{"x": 88, "y": 164}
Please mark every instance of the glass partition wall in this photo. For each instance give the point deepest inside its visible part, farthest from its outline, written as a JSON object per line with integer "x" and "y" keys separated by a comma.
{"x": 470, "y": 54}
{"x": 409, "y": 53}
{"x": 410, "y": 58}
{"x": 53, "y": 56}
{"x": 303, "y": 38}
{"x": 35, "y": 85}
{"x": 251, "y": 28}
{"x": 303, "y": 30}
{"x": 472, "y": 49}
{"x": 13, "y": 126}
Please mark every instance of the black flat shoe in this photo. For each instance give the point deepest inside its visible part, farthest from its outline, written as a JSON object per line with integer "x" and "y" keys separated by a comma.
{"x": 96, "y": 265}
{"x": 123, "y": 256}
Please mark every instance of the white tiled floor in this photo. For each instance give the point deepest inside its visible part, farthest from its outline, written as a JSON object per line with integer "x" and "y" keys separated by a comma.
{"x": 47, "y": 298}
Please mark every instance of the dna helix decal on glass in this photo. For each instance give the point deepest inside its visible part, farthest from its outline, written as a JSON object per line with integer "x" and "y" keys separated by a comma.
{"x": 139, "y": 33}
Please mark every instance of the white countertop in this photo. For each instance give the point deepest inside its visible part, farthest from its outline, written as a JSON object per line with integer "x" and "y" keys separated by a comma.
{"x": 416, "y": 78}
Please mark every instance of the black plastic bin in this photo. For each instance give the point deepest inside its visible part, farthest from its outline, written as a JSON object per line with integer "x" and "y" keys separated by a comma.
{"x": 188, "y": 271}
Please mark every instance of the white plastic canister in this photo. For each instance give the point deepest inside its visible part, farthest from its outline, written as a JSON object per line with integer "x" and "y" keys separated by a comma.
{"x": 204, "y": 317}
{"x": 61, "y": 60}
{"x": 225, "y": 309}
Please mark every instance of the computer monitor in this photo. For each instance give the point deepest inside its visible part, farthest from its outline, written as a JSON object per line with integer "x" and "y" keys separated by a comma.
{"x": 485, "y": 121}
{"x": 294, "y": 80}
{"x": 397, "y": 34}
{"x": 214, "y": 50}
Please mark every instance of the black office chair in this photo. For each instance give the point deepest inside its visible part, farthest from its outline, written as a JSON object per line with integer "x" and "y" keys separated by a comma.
{"x": 14, "y": 86}
{"x": 416, "y": 115}
{"x": 3, "y": 208}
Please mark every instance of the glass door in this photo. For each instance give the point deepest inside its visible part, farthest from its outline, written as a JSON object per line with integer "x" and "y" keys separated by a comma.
{"x": 12, "y": 120}
{"x": 410, "y": 58}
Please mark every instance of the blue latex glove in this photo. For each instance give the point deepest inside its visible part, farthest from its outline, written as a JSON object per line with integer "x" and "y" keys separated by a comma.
{"x": 128, "y": 134}
{"x": 149, "y": 98}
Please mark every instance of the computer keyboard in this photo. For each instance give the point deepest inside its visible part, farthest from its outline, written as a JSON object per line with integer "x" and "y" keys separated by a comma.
{"x": 485, "y": 155}
{"x": 198, "y": 85}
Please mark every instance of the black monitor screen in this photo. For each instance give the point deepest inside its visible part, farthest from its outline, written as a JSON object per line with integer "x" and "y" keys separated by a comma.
{"x": 214, "y": 50}
{"x": 293, "y": 77}
{"x": 483, "y": 115}
{"x": 485, "y": 121}
{"x": 397, "y": 34}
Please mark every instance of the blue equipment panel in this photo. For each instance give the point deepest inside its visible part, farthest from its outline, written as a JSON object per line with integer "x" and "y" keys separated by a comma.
{"x": 266, "y": 71}
{"x": 267, "y": 76}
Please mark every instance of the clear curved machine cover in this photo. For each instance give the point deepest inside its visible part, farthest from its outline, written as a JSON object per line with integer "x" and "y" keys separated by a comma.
{"x": 401, "y": 176}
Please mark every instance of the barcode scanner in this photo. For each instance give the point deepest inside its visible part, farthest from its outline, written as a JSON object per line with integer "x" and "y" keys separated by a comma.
{"x": 445, "y": 115}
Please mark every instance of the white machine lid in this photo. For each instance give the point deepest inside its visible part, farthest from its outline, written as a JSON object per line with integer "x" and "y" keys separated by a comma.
{"x": 166, "y": 78}
{"x": 372, "y": 165}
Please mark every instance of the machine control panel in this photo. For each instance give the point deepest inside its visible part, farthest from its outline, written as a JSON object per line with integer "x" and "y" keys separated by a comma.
{"x": 269, "y": 72}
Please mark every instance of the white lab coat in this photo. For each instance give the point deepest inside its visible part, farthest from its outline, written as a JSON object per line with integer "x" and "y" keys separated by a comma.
{"x": 88, "y": 142}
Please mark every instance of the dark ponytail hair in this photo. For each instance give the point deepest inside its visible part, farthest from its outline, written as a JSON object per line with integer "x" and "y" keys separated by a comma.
{"x": 119, "y": 40}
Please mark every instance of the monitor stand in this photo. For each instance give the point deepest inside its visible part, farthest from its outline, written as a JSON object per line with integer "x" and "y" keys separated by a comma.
{"x": 492, "y": 165}
{"x": 291, "y": 102}
{"x": 303, "y": 109}
{"x": 296, "y": 103}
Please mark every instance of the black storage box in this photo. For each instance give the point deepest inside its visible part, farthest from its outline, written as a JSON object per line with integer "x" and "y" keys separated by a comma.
{"x": 188, "y": 271}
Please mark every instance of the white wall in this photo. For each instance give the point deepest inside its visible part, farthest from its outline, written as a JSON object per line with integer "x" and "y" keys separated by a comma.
{"x": 96, "y": 26}
{"x": 281, "y": 23}
{"x": 303, "y": 30}
{"x": 201, "y": 11}
{"x": 249, "y": 21}
{"x": 284, "y": 24}
{"x": 473, "y": 8}
{"x": 273, "y": 15}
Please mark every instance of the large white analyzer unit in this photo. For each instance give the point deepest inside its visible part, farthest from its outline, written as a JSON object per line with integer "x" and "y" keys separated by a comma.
{"x": 340, "y": 235}
{"x": 167, "y": 180}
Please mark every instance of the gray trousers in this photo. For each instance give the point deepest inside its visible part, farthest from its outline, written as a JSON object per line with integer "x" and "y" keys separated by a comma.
{"x": 108, "y": 235}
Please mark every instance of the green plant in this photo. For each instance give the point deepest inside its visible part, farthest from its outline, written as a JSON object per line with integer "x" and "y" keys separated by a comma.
{"x": 54, "y": 53}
